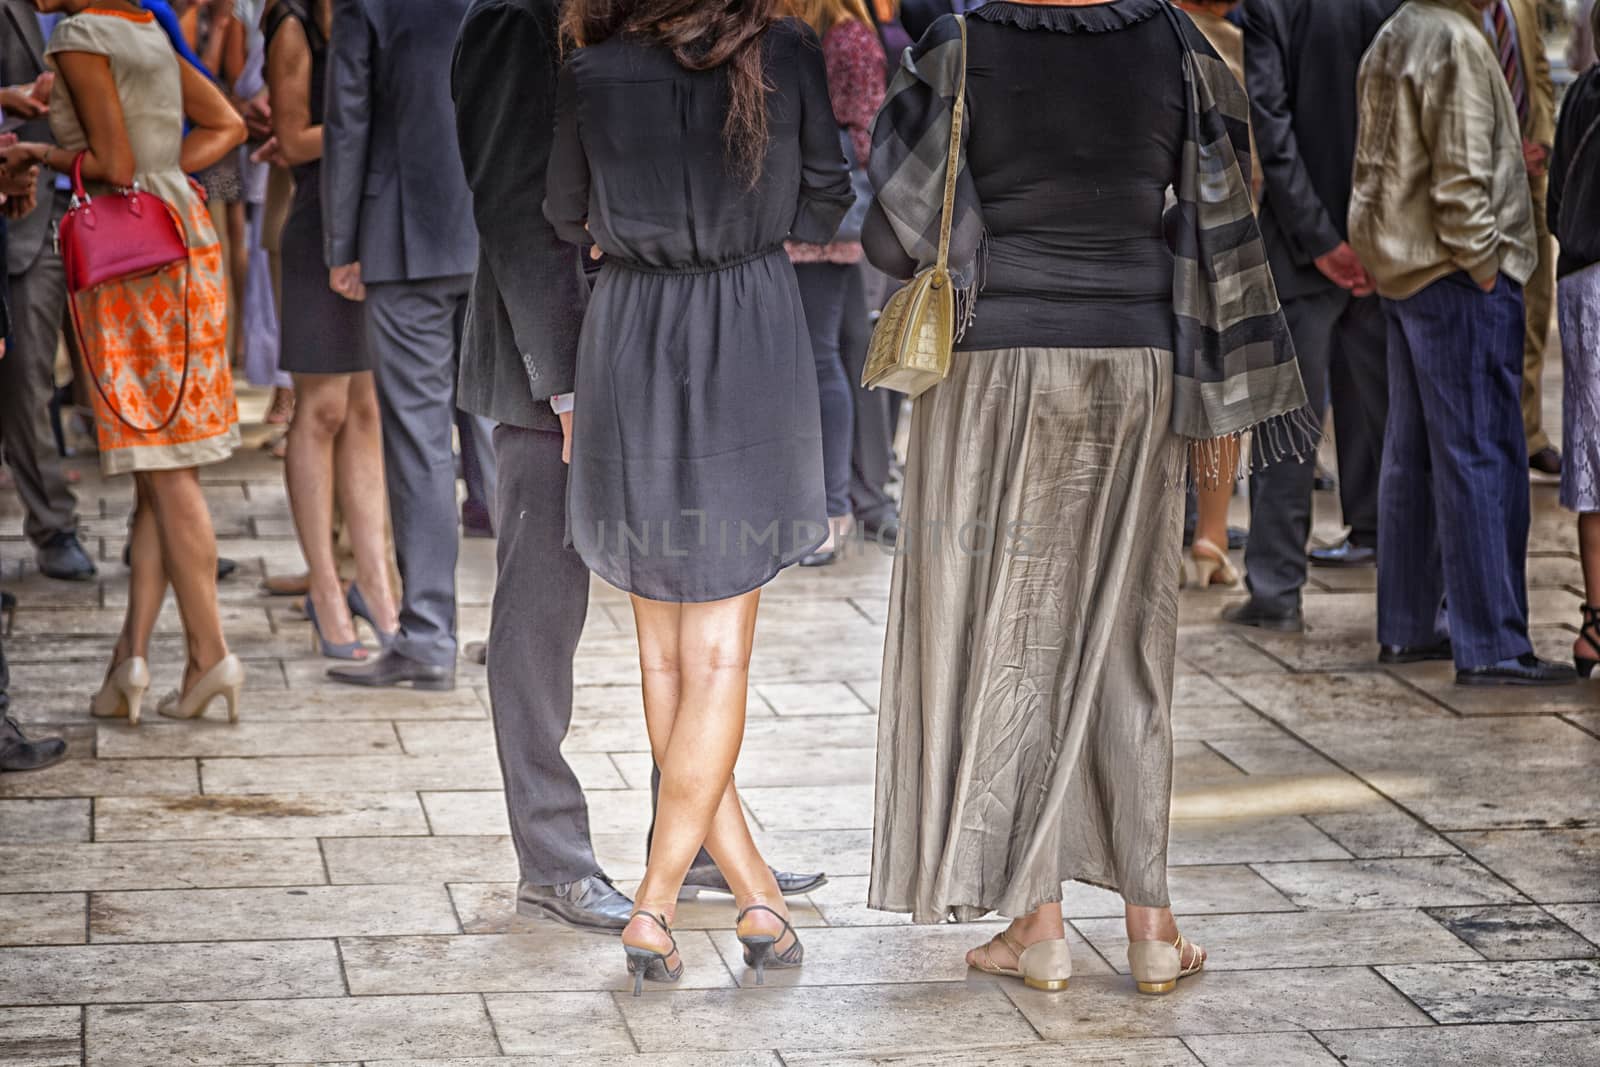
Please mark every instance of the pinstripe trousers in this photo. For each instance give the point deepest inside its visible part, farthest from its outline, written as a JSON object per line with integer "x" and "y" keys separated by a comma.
{"x": 1453, "y": 495}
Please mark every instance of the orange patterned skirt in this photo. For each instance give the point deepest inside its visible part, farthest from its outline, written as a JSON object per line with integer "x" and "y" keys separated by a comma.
{"x": 135, "y": 334}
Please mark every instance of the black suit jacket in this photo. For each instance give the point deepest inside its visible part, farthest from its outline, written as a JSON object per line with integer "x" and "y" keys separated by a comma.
{"x": 393, "y": 195}
{"x": 1301, "y": 58}
{"x": 528, "y": 295}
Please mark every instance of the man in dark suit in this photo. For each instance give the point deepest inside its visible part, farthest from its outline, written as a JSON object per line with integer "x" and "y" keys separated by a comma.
{"x": 1301, "y": 59}
{"x": 397, "y": 216}
{"x": 519, "y": 351}
{"x": 39, "y": 301}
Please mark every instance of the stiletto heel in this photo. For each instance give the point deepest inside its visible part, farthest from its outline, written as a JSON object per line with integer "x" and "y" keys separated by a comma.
{"x": 1590, "y": 632}
{"x": 649, "y": 963}
{"x": 224, "y": 680}
{"x": 1157, "y": 966}
{"x": 1043, "y": 965}
{"x": 122, "y": 694}
{"x": 360, "y": 610}
{"x": 761, "y": 950}
{"x": 351, "y": 650}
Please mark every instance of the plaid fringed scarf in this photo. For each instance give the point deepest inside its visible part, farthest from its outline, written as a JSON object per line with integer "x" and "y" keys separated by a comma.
{"x": 1235, "y": 365}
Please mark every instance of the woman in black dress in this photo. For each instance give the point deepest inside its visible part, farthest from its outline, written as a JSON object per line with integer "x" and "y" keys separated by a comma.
{"x": 696, "y": 437}
{"x": 335, "y": 440}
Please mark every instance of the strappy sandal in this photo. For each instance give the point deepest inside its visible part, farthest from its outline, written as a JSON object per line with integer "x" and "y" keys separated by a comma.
{"x": 1590, "y": 632}
{"x": 761, "y": 950}
{"x": 1157, "y": 966}
{"x": 1043, "y": 965}
{"x": 649, "y": 963}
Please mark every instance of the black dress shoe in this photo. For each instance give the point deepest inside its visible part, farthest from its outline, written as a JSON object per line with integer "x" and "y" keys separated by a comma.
{"x": 1546, "y": 461}
{"x": 591, "y": 903}
{"x": 1323, "y": 482}
{"x": 1252, "y": 614}
{"x": 1441, "y": 650}
{"x": 1344, "y": 554}
{"x": 17, "y": 753}
{"x": 391, "y": 669}
{"x": 710, "y": 880}
{"x": 1530, "y": 670}
{"x": 882, "y": 529}
{"x": 226, "y": 568}
{"x": 1238, "y": 539}
{"x": 820, "y": 558}
{"x": 63, "y": 558}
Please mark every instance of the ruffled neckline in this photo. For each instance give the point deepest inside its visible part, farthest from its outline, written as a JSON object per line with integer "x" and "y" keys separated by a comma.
{"x": 1094, "y": 18}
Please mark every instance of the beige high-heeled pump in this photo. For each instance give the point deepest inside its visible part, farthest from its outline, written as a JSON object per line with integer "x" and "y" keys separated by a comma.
{"x": 122, "y": 694}
{"x": 1207, "y": 565}
{"x": 224, "y": 680}
{"x": 1043, "y": 965}
{"x": 1157, "y": 966}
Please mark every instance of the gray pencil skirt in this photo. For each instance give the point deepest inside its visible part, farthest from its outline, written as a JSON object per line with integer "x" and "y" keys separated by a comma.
{"x": 1025, "y": 727}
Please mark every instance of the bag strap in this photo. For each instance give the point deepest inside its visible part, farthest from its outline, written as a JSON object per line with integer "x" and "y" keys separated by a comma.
{"x": 77, "y": 178}
{"x": 947, "y": 218}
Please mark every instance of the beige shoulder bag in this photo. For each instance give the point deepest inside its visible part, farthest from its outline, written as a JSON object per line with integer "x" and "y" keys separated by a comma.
{"x": 915, "y": 335}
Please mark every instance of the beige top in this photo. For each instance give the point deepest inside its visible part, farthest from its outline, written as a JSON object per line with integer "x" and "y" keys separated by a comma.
{"x": 150, "y": 87}
{"x": 1440, "y": 184}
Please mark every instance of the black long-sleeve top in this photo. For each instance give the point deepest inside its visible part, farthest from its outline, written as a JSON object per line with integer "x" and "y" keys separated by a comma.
{"x": 1578, "y": 196}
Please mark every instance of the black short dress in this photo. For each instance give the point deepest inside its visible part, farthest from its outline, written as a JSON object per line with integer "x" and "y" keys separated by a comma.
{"x": 321, "y": 331}
{"x": 697, "y": 446}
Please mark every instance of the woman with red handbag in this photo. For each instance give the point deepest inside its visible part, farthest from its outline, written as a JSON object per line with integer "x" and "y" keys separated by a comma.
{"x": 149, "y": 304}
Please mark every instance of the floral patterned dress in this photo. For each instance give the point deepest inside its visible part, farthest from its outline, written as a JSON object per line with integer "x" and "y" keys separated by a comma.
{"x": 139, "y": 334}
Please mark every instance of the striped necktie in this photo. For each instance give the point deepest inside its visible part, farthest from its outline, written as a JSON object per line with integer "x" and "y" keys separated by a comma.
{"x": 1510, "y": 60}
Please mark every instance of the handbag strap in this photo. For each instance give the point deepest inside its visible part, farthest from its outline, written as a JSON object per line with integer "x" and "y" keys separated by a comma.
{"x": 94, "y": 373}
{"x": 947, "y": 218}
{"x": 77, "y": 178}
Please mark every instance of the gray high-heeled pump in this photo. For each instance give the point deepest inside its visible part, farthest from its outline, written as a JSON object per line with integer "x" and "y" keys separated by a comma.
{"x": 648, "y": 963}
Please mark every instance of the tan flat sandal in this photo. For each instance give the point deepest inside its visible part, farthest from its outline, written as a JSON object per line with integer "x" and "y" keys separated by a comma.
{"x": 1043, "y": 965}
{"x": 1157, "y": 966}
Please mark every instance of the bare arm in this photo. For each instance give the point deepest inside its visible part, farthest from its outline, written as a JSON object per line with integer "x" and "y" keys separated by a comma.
{"x": 289, "y": 79}
{"x": 216, "y": 128}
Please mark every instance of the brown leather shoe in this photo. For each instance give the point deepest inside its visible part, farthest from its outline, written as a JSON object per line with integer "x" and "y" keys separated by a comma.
{"x": 1546, "y": 461}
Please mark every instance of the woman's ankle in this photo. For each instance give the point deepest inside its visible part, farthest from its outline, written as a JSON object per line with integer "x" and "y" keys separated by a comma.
{"x": 1150, "y": 924}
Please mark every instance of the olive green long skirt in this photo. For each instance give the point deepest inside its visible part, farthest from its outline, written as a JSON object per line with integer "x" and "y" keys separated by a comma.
{"x": 1025, "y": 732}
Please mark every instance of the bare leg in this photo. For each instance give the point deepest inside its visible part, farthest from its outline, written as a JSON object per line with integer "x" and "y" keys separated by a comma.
{"x": 147, "y": 577}
{"x": 358, "y": 459}
{"x": 189, "y": 550}
{"x": 695, "y": 663}
{"x": 1589, "y": 553}
{"x": 320, "y": 418}
{"x": 1214, "y": 496}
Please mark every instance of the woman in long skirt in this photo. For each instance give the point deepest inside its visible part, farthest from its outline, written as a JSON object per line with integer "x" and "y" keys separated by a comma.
{"x": 1025, "y": 735}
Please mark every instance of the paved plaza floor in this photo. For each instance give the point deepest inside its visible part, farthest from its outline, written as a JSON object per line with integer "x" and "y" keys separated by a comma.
{"x": 1386, "y": 869}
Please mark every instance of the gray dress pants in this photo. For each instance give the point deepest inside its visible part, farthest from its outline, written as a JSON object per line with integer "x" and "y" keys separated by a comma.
{"x": 1342, "y": 337}
{"x": 38, "y": 302}
{"x": 412, "y": 328}
{"x": 541, "y": 598}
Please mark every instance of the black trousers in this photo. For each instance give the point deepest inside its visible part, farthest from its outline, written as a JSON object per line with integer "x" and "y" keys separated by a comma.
{"x": 877, "y": 410}
{"x": 1341, "y": 341}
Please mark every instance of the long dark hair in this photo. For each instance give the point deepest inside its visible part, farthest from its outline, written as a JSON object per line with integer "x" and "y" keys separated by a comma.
{"x": 702, "y": 35}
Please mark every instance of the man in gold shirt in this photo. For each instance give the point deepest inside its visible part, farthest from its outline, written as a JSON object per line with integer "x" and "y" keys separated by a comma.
{"x": 1442, "y": 219}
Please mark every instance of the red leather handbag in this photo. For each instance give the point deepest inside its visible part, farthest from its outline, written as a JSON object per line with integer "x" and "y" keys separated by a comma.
{"x": 110, "y": 238}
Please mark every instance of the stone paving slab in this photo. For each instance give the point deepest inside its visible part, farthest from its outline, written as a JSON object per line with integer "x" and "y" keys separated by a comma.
{"x": 1386, "y": 869}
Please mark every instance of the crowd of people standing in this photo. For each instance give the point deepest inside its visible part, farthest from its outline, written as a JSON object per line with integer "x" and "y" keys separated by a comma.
{"x": 631, "y": 280}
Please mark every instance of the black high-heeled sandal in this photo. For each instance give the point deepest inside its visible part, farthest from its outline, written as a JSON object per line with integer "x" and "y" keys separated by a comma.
{"x": 761, "y": 950}
{"x": 1590, "y": 632}
{"x": 648, "y": 963}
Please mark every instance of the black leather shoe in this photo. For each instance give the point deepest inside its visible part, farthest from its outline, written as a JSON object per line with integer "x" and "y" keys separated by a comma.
{"x": 226, "y": 568}
{"x": 1530, "y": 670}
{"x": 591, "y": 903}
{"x": 1252, "y": 614}
{"x": 1323, "y": 482}
{"x": 392, "y": 669}
{"x": 710, "y": 880}
{"x": 820, "y": 558}
{"x": 63, "y": 558}
{"x": 1344, "y": 554}
{"x": 1442, "y": 650}
{"x": 1545, "y": 461}
{"x": 17, "y": 753}
{"x": 882, "y": 529}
